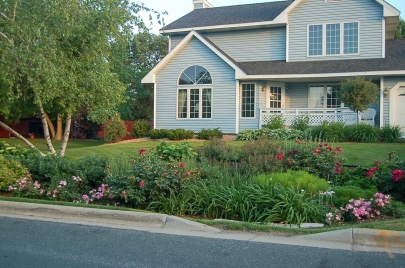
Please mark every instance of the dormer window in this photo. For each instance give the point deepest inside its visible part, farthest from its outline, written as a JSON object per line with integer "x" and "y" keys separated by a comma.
{"x": 194, "y": 93}
{"x": 333, "y": 39}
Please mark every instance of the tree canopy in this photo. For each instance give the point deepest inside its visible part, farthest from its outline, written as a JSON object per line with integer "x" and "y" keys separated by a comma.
{"x": 400, "y": 33}
{"x": 57, "y": 55}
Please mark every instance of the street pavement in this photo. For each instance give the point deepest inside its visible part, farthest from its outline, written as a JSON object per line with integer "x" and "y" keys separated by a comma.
{"x": 356, "y": 239}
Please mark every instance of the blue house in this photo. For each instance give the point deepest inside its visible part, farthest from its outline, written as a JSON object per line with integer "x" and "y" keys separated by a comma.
{"x": 234, "y": 67}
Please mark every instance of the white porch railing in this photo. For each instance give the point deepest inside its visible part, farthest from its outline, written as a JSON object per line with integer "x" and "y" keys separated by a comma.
{"x": 316, "y": 115}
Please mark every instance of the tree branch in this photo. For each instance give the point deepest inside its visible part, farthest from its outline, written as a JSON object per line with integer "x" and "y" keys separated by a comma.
{"x": 15, "y": 9}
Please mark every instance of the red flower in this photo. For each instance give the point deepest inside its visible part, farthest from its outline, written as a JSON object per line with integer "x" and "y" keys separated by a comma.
{"x": 370, "y": 172}
{"x": 280, "y": 156}
{"x": 320, "y": 145}
{"x": 293, "y": 152}
{"x": 376, "y": 162}
{"x": 188, "y": 173}
{"x": 338, "y": 164}
{"x": 141, "y": 183}
{"x": 298, "y": 141}
{"x": 325, "y": 144}
{"x": 141, "y": 151}
{"x": 338, "y": 169}
{"x": 182, "y": 165}
{"x": 123, "y": 193}
{"x": 338, "y": 149}
{"x": 317, "y": 151}
{"x": 397, "y": 174}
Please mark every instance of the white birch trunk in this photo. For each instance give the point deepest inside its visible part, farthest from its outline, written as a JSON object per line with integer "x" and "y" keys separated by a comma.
{"x": 46, "y": 130}
{"x": 65, "y": 138}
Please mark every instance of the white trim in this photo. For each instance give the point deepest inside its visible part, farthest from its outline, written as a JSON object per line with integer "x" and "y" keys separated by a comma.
{"x": 383, "y": 38}
{"x": 200, "y": 94}
{"x": 151, "y": 78}
{"x": 254, "y": 102}
{"x": 287, "y": 43}
{"x": 382, "y": 101}
{"x": 275, "y": 84}
{"x": 170, "y": 43}
{"x": 393, "y": 102}
{"x": 325, "y": 75}
{"x": 178, "y": 78}
{"x": 325, "y": 94}
{"x": 154, "y": 105}
{"x": 237, "y": 107}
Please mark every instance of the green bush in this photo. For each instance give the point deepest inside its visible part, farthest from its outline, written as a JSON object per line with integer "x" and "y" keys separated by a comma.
{"x": 175, "y": 152}
{"x": 180, "y": 134}
{"x": 300, "y": 122}
{"x": 159, "y": 133}
{"x": 343, "y": 194}
{"x": 363, "y": 133}
{"x": 303, "y": 180}
{"x": 115, "y": 130}
{"x": 141, "y": 129}
{"x": 390, "y": 134}
{"x": 215, "y": 151}
{"x": 208, "y": 134}
{"x": 13, "y": 152}
{"x": 277, "y": 134}
{"x": 275, "y": 122}
{"x": 330, "y": 131}
{"x": 10, "y": 171}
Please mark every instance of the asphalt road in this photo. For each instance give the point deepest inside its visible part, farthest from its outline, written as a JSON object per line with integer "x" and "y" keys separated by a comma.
{"x": 31, "y": 243}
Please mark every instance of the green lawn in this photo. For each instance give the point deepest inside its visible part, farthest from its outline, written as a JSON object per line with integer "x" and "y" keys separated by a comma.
{"x": 356, "y": 153}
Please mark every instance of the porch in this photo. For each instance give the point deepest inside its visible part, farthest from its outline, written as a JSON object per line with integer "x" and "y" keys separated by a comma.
{"x": 316, "y": 115}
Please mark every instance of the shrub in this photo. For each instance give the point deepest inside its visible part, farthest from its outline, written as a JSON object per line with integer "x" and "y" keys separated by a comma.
{"x": 115, "y": 130}
{"x": 208, "y": 134}
{"x": 159, "y": 133}
{"x": 343, "y": 194}
{"x": 279, "y": 134}
{"x": 141, "y": 129}
{"x": 330, "y": 131}
{"x": 175, "y": 152}
{"x": 13, "y": 152}
{"x": 215, "y": 151}
{"x": 301, "y": 123}
{"x": 10, "y": 171}
{"x": 303, "y": 180}
{"x": 180, "y": 134}
{"x": 362, "y": 133}
{"x": 275, "y": 122}
{"x": 390, "y": 134}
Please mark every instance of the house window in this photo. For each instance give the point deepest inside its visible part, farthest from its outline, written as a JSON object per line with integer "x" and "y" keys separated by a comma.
{"x": 324, "y": 96}
{"x": 194, "y": 99}
{"x": 248, "y": 101}
{"x": 327, "y": 39}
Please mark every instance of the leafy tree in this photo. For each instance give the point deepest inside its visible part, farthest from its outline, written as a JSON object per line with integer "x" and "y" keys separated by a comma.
{"x": 400, "y": 33}
{"x": 358, "y": 93}
{"x": 56, "y": 56}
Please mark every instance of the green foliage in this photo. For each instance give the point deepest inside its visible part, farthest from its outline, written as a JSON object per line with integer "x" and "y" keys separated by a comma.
{"x": 215, "y": 151}
{"x": 344, "y": 193}
{"x": 390, "y": 134}
{"x": 180, "y": 134}
{"x": 395, "y": 209}
{"x": 13, "y": 152}
{"x": 400, "y": 32}
{"x": 208, "y": 134}
{"x": 141, "y": 129}
{"x": 158, "y": 133}
{"x": 278, "y": 134}
{"x": 10, "y": 171}
{"x": 301, "y": 123}
{"x": 299, "y": 179}
{"x": 174, "y": 152}
{"x": 115, "y": 130}
{"x": 362, "y": 133}
{"x": 330, "y": 131}
{"x": 293, "y": 206}
{"x": 358, "y": 93}
{"x": 275, "y": 122}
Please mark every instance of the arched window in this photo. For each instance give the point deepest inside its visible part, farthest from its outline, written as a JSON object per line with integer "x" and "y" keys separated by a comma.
{"x": 194, "y": 95}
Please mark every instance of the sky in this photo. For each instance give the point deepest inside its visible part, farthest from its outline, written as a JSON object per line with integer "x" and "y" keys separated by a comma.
{"x": 179, "y": 8}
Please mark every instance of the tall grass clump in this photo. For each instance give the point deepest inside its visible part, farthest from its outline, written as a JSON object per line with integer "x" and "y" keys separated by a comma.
{"x": 363, "y": 133}
{"x": 390, "y": 134}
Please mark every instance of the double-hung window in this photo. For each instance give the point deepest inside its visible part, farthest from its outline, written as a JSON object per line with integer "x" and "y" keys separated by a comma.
{"x": 333, "y": 39}
{"x": 248, "y": 101}
{"x": 324, "y": 96}
{"x": 194, "y": 93}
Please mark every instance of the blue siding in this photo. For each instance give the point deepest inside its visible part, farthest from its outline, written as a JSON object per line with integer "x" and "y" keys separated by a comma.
{"x": 224, "y": 90}
{"x": 175, "y": 40}
{"x": 253, "y": 123}
{"x": 368, "y": 13}
{"x": 252, "y": 45}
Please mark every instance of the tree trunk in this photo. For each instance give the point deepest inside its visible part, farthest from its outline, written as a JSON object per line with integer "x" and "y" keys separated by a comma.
{"x": 15, "y": 133}
{"x": 46, "y": 130}
{"x": 65, "y": 135}
{"x": 50, "y": 124}
{"x": 59, "y": 128}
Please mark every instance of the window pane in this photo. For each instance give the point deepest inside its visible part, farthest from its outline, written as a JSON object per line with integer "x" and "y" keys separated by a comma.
{"x": 206, "y": 103}
{"x": 332, "y": 39}
{"x": 182, "y": 104}
{"x": 194, "y": 103}
{"x": 195, "y": 75}
{"x": 332, "y": 96}
{"x": 315, "y": 40}
{"x": 248, "y": 100}
{"x": 351, "y": 38}
{"x": 316, "y": 97}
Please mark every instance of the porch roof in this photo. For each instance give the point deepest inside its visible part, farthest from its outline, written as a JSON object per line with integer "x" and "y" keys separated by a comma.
{"x": 394, "y": 61}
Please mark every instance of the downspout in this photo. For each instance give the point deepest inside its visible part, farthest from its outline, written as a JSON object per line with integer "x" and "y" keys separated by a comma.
{"x": 381, "y": 102}
{"x": 237, "y": 108}
{"x": 154, "y": 102}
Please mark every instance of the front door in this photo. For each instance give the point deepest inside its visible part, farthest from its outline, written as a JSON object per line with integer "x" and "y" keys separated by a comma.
{"x": 275, "y": 95}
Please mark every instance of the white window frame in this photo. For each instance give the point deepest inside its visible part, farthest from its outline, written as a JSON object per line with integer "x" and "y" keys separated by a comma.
{"x": 325, "y": 94}
{"x": 241, "y": 100}
{"x": 200, "y": 110}
{"x": 341, "y": 39}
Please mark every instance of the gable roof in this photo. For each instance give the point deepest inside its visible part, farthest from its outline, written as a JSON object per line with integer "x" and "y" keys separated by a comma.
{"x": 150, "y": 77}
{"x": 394, "y": 62}
{"x": 229, "y": 15}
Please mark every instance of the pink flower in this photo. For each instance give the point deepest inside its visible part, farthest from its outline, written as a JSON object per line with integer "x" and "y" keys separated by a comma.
{"x": 182, "y": 165}
{"x": 141, "y": 151}
{"x": 338, "y": 149}
{"x": 338, "y": 169}
{"x": 63, "y": 183}
{"x": 397, "y": 174}
{"x": 320, "y": 145}
{"x": 298, "y": 141}
{"x": 123, "y": 193}
{"x": 317, "y": 151}
{"x": 280, "y": 157}
{"x": 141, "y": 183}
{"x": 188, "y": 173}
{"x": 325, "y": 144}
{"x": 370, "y": 172}
{"x": 376, "y": 162}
